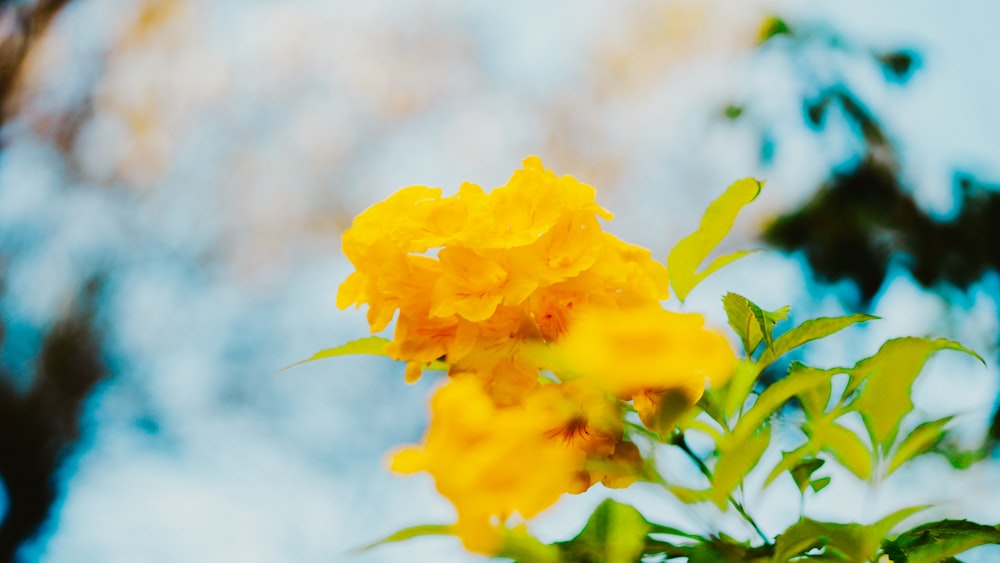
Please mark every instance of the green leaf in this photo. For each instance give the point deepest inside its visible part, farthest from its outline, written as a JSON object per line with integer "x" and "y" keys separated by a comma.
{"x": 788, "y": 461}
{"x": 767, "y": 319}
{"x": 674, "y": 404}
{"x": 775, "y": 396}
{"x": 736, "y": 460}
{"x": 808, "y": 331}
{"x": 523, "y": 547}
{"x": 410, "y": 533}
{"x": 687, "y": 495}
{"x": 740, "y": 315}
{"x": 773, "y": 26}
{"x": 802, "y": 472}
{"x": 751, "y": 323}
{"x": 845, "y": 542}
{"x": 961, "y": 458}
{"x": 615, "y": 533}
{"x": 735, "y": 393}
{"x": 885, "y": 525}
{"x": 922, "y": 439}
{"x": 724, "y": 548}
{"x": 815, "y": 399}
{"x": 937, "y": 541}
{"x": 671, "y": 531}
{"x": 842, "y": 542}
{"x": 818, "y": 485}
{"x": 369, "y": 346}
{"x": 688, "y": 254}
{"x": 709, "y": 404}
{"x": 666, "y": 550}
{"x": 889, "y": 376}
{"x": 845, "y": 445}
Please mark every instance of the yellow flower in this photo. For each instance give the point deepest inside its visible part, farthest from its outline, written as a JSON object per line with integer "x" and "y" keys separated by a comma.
{"x": 473, "y": 285}
{"x": 378, "y": 224}
{"x": 528, "y": 206}
{"x": 394, "y": 280}
{"x": 491, "y": 462}
{"x": 580, "y": 415}
{"x": 643, "y": 349}
{"x": 632, "y": 273}
{"x": 570, "y": 247}
{"x": 478, "y": 275}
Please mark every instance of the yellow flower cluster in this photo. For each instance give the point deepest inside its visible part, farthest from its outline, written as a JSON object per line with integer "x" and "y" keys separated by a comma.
{"x": 502, "y": 285}
{"x": 476, "y": 274}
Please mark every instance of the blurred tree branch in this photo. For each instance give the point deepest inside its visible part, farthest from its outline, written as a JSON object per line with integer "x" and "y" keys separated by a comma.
{"x": 21, "y": 25}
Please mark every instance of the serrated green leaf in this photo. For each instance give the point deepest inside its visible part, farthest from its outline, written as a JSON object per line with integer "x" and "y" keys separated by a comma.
{"x": 734, "y": 462}
{"x": 367, "y": 346}
{"x": 889, "y": 375}
{"x": 741, "y": 319}
{"x": 688, "y": 254}
{"x": 937, "y": 541}
{"x": 808, "y": 331}
{"x": 615, "y": 533}
{"x": 766, "y": 321}
{"x": 751, "y": 323}
{"x": 920, "y": 440}
{"x": 410, "y": 533}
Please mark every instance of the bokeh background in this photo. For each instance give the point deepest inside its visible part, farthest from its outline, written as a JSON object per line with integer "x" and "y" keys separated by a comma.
{"x": 175, "y": 174}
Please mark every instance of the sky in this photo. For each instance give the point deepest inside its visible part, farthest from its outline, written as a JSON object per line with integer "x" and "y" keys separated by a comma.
{"x": 201, "y": 158}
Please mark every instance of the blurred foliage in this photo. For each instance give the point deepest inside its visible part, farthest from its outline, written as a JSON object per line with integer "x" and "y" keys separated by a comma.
{"x": 40, "y": 426}
{"x": 863, "y": 218}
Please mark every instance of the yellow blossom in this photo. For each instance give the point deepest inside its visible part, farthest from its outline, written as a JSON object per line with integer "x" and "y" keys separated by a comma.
{"x": 486, "y": 459}
{"x": 477, "y": 275}
{"x": 528, "y": 206}
{"x": 638, "y": 350}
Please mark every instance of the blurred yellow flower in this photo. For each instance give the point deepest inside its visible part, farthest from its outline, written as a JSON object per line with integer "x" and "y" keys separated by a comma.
{"x": 645, "y": 354}
{"x": 498, "y": 462}
{"x": 494, "y": 462}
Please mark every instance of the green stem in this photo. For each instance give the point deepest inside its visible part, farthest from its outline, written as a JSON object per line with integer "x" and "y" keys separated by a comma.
{"x": 679, "y": 441}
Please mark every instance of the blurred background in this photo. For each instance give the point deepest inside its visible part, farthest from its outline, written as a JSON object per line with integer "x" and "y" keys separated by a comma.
{"x": 175, "y": 175}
